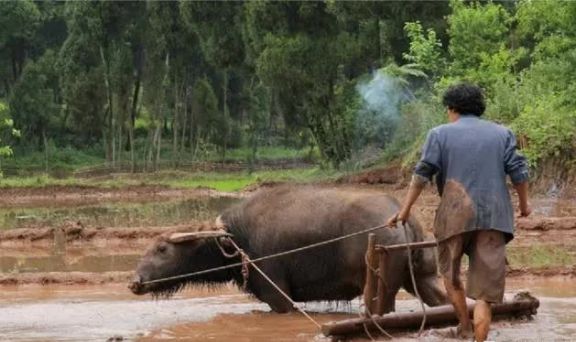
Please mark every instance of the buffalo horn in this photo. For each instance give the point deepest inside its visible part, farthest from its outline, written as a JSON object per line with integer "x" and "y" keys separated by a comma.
{"x": 182, "y": 237}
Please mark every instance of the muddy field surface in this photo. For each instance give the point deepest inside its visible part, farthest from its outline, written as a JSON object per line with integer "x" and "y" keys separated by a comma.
{"x": 97, "y": 313}
{"x": 69, "y": 251}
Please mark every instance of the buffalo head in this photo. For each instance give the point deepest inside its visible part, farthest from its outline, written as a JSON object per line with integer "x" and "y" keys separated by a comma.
{"x": 175, "y": 255}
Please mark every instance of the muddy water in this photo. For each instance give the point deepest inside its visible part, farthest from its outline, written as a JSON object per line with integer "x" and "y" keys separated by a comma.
{"x": 126, "y": 214}
{"x": 69, "y": 260}
{"x": 63, "y": 258}
{"x": 95, "y": 313}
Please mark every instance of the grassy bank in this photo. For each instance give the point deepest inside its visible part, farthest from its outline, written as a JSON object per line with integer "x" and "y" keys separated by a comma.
{"x": 229, "y": 181}
{"x": 541, "y": 256}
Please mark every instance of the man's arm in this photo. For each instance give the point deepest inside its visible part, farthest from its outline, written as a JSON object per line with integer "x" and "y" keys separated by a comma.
{"x": 416, "y": 185}
{"x": 427, "y": 167}
{"x": 522, "y": 191}
{"x": 516, "y": 167}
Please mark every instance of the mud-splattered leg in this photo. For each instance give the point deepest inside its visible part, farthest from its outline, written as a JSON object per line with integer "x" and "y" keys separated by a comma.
{"x": 267, "y": 293}
{"x": 429, "y": 290}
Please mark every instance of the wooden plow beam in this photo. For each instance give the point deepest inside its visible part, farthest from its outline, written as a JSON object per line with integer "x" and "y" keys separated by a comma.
{"x": 375, "y": 289}
{"x": 523, "y": 305}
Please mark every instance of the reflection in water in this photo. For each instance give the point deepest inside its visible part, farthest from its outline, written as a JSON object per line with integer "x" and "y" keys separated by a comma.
{"x": 64, "y": 263}
{"x": 117, "y": 214}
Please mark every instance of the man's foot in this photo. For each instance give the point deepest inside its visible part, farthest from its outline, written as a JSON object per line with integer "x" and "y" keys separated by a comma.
{"x": 466, "y": 333}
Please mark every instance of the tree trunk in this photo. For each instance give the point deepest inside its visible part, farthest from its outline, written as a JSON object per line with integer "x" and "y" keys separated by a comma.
{"x": 133, "y": 111}
{"x": 185, "y": 122}
{"x": 45, "y": 140}
{"x": 158, "y": 148}
{"x": 110, "y": 118}
{"x": 226, "y": 114}
{"x": 175, "y": 126}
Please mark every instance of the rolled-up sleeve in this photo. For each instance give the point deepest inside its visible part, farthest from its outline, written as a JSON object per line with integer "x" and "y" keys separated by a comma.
{"x": 515, "y": 164}
{"x": 430, "y": 161}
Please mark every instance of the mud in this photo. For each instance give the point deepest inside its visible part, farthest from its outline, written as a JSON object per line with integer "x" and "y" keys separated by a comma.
{"x": 77, "y": 234}
{"x": 96, "y": 313}
{"x": 65, "y": 278}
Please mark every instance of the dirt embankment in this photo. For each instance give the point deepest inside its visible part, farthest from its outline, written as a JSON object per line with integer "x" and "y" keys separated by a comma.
{"x": 76, "y": 234}
{"x": 75, "y": 195}
{"x": 65, "y": 278}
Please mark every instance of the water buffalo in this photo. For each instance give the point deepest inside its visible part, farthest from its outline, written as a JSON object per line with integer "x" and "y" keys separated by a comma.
{"x": 286, "y": 217}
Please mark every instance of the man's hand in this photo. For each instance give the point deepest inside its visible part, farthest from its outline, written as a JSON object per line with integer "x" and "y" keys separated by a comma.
{"x": 522, "y": 190}
{"x": 525, "y": 211}
{"x": 401, "y": 216}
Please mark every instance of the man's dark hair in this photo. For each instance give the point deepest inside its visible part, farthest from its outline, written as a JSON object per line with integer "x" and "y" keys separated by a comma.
{"x": 465, "y": 98}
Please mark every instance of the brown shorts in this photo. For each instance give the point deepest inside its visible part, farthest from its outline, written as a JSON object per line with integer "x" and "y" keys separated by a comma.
{"x": 486, "y": 250}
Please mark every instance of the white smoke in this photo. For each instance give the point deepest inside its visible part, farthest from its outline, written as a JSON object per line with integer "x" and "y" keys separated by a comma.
{"x": 382, "y": 98}
{"x": 383, "y": 94}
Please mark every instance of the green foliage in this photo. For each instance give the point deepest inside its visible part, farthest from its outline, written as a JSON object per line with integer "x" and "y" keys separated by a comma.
{"x": 18, "y": 22}
{"x": 6, "y": 123}
{"x": 34, "y": 101}
{"x": 549, "y": 128}
{"x": 210, "y": 123}
{"x": 151, "y": 81}
{"x": 425, "y": 49}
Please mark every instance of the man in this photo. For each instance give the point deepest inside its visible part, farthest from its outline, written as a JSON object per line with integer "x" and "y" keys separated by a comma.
{"x": 471, "y": 158}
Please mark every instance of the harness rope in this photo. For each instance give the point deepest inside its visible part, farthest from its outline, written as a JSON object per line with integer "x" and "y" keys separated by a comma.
{"x": 271, "y": 256}
{"x": 246, "y": 258}
{"x": 411, "y": 267}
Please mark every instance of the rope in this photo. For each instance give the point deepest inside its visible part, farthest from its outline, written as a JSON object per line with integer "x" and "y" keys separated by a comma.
{"x": 366, "y": 330}
{"x": 292, "y": 251}
{"x": 294, "y": 305}
{"x": 243, "y": 256}
{"x": 411, "y": 267}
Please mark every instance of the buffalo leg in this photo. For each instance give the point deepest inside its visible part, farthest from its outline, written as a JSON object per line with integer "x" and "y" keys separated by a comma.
{"x": 394, "y": 284}
{"x": 429, "y": 290}
{"x": 267, "y": 293}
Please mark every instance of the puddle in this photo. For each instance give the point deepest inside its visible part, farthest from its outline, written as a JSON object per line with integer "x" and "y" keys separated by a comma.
{"x": 125, "y": 214}
{"x": 62, "y": 258}
{"x": 95, "y": 313}
{"x": 68, "y": 263}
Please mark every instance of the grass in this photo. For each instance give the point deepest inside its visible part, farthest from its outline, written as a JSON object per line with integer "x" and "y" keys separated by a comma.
{"x": 230, "y": 181}
{"x": 541, "y": 256}
{"x": 238, "y": 181}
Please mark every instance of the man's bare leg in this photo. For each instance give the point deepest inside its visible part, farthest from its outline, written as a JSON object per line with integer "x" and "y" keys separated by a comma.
{"x": 482, "y": 319}
{"x": 458, "y": 299}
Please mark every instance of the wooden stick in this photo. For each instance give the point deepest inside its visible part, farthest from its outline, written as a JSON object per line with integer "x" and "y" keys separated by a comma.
{"x": 440, "y": 315}
{"x": 382, "y": 286}
{"x": 402, "y": 246}
{"x": 370, "y": 285}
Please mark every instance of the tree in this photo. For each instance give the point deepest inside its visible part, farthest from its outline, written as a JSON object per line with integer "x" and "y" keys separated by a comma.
{"x": 35, "y": 101}
{"x": 18, "y": 22}
{"x": 217, "y": 26}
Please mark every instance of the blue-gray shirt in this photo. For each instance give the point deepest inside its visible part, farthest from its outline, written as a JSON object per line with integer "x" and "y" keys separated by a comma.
{"x": 471, "y": 158}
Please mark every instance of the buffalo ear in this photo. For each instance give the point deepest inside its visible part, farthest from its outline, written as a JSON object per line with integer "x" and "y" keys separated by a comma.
{"x": 183, "y": 237}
